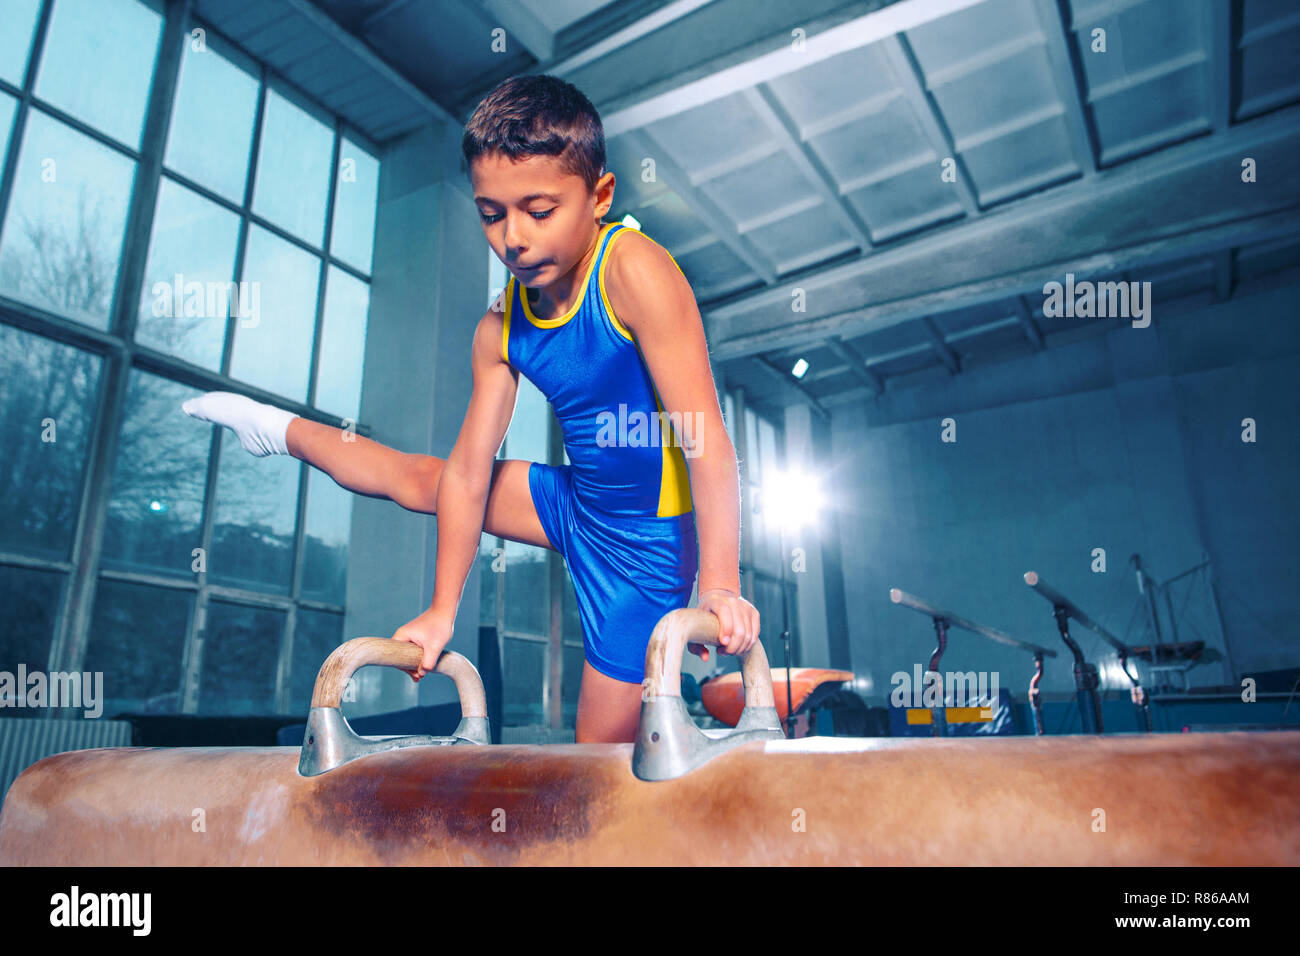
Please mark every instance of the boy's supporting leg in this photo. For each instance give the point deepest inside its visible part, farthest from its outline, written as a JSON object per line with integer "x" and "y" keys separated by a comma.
{"x": 609, "y": 710}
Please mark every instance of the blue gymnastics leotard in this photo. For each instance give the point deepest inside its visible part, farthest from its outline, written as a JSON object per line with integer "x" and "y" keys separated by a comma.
{"x": 620, "y": 513}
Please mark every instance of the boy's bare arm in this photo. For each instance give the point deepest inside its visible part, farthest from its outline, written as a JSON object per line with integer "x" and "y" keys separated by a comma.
{"x": 467, "y": 476}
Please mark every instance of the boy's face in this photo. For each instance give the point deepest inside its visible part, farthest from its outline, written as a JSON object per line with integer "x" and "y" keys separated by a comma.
{"x": 534, "y": 213}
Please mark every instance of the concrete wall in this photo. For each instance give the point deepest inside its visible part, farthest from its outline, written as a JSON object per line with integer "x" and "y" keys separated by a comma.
{"x": 429, "y": 287}
{"x": 1130, "y": 442}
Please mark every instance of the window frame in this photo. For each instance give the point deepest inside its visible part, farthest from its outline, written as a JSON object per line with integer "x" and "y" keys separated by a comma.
{"x": 120, "y": 354}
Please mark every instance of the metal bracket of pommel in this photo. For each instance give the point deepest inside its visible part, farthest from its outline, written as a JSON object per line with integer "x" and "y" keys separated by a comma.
{"x": 329, "y": 742}
{"x": 668, "y": 742}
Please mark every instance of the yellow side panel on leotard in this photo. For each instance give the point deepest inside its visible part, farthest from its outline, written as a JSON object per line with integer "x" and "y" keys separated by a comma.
{"x": 675, "y": 477}
{"x": 509, "y": 295}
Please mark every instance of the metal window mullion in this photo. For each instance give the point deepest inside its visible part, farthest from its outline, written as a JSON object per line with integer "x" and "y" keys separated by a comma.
{"x": 284, "y": 661}
{"x": 241, "y": 245}
{"x": 144, "y": 198}
{"x": 276, "y": 230}
{"x": 192, "y": 657}
{"x": 9, "y": 173}
{"x": 284, "y": 665}
{"x": 74, "y": 628}
{"x": 322, "y": 280}
{"x": 89, "y": 131}
{"x": 553, "y": 698}
{"x": 499, "y": 580}
{"x": 84, "y": 338}
{"x": 322, "y": 606}
{"x": 526, "y": 637}
{"x": 249, "y": 597}
{"x": 149, "y": 578}
{"x": 787, "y": 582}
{"x": 33, "y": 563}
{"x": 747, "y": 512}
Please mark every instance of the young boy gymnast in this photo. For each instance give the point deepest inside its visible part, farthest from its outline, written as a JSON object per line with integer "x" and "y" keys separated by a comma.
{"x": 602, "y": 320}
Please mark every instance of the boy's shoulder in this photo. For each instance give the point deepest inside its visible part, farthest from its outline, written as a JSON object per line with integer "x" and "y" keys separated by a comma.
{"x": 632, "y": 247}
{"x": 637, "y": 262}
{"x": 489, "y": 332}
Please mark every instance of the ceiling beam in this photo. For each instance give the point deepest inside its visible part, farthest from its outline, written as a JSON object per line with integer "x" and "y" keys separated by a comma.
{"x": 856, "y": 365}
{"x": 589, "y": 40}
{"x": 1057, "y": 39}
{"x": 1028, "y": 281}
{"x": 765, "y": 59}
{"x": 326, "y": 24}
{"x": 786, "y": 132}
{"x": 1184, "y": 201}
{"x": 791, "y": 384}
{"x": 1216, "y": 24}
{"x": 941, "y": 347}
{"x": 524, "y": 26}
{"x": 907, "y": 72}
{"x": 1026, "y": 319}
{"x": 381, "y": 13}
{"x": 701, "y": 204}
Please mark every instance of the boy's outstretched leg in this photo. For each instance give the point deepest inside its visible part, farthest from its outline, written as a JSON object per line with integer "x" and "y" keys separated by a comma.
{"x": 353, "y": 461}
{"x": 368, "y": 467}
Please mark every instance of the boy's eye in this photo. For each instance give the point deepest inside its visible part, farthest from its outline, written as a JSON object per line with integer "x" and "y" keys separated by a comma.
{"x": 542, "y": 215}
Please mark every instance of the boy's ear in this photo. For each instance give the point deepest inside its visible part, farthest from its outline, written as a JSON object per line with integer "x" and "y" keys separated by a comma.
{"x": 600, "y": 184}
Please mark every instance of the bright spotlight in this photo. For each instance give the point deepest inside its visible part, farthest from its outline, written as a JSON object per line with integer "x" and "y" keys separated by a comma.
{"x": 791, "y": 498}
{"x": 800, "y": 367}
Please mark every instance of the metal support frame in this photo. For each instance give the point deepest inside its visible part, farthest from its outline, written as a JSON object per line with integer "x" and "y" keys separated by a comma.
{"x": 1086, "y": 680}
{"x": 944, "y": 619}
{"x": 1035, "y": 695}
{"x": 938, "y": 718}
{"x": 556, "y": 571}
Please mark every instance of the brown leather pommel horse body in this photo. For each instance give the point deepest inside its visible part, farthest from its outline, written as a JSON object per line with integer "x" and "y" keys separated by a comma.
{"x": 685, "y": 796}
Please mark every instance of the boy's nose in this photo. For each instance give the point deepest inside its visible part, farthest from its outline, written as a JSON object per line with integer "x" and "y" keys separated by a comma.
{"x": 514, "y": 238}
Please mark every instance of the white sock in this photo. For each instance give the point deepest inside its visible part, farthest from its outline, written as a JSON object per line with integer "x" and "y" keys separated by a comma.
{"x": 261, "y": 428}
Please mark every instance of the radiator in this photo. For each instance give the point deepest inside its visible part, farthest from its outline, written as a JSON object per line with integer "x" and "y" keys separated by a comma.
{"x": 23, "y": 741}
{"x": 536, "y": 735}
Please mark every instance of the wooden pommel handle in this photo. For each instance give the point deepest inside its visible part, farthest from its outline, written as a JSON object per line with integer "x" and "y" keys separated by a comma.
{"x": 663, "y": 657}
{"x": 357, "y": 653}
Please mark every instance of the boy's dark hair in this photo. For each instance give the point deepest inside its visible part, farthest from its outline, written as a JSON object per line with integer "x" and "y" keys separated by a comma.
{"x": 538, "y": 115}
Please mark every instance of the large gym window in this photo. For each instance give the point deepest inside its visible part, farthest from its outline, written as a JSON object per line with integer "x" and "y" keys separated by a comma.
{"x": 174, "y": 218}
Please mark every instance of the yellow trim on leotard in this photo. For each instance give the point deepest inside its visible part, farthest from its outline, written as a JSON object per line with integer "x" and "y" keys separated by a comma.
{"x": 561, "y": 319}
{"x": 600, "y": 281}
{"x": 604, "y": 295}
{"x": 505, "y": 325}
